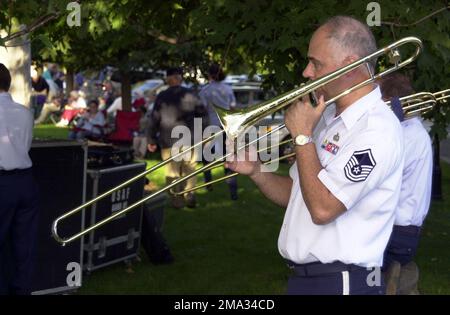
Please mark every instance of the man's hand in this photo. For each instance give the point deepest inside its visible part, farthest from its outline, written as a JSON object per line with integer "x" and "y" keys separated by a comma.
{"x": 301, "y": 117}
{"x": 275, "y": 187}
{"x": 152, "y": 147}
{"x": 245, "y": 162}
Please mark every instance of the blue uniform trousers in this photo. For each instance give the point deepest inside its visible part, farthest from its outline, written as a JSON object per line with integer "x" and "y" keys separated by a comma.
{"x": 334, "y": 279}
{"x": 18, "y": 224}
{"x": 402, "y": 245}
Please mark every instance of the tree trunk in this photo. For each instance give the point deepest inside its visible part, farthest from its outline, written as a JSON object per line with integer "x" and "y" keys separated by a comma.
{"x": 70, "y": 82}
{"x": 126, "y": 91}
{"x": 17, "y": 59}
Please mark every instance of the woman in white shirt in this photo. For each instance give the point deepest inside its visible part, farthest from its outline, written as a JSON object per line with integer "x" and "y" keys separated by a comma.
{"x": 90, "y": 125}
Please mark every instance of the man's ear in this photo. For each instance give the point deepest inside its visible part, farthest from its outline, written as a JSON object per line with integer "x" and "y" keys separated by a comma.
{"x": 348, "y": 60}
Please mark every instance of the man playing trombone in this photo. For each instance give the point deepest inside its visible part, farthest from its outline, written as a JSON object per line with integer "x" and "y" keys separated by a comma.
{"x": 342, "y": 191}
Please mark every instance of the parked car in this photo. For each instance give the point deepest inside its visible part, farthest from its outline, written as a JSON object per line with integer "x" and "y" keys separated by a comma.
{"x": 233, "y": 78}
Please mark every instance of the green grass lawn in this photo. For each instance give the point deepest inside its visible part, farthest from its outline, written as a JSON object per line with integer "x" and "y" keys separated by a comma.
{"x": 49, "y": 131}
{"x": 230, "y": 247}
{"x": 433, "y": 256}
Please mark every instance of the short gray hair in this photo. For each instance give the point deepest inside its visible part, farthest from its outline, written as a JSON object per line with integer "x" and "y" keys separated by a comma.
{"x": 352, "y": 35}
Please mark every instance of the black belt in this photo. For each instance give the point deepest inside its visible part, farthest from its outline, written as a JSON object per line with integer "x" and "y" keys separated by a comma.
{"x": 317, "y": 268}
{"x": 409, "y": 229}
{"x": 15, "y": 171}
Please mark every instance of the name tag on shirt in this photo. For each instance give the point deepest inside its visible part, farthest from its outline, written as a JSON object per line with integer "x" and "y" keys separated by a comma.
{"x": 330, "y": 147}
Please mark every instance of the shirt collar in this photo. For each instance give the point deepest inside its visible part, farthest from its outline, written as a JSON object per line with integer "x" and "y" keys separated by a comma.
{"x": 354, "y": 112}
{"x": 328, "y": 114}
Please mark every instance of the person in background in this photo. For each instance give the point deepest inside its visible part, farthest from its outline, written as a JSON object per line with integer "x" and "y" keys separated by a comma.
{"x": 52, "y": 107}
{"x": 217, "y": 93}
{"x": 176, "y": 106}
{"x": 140, "y": 137}
{"x": 151, "y": 99}
{"x": 18, "y": 190}
{"x": 79, "y": 81}
{"x": 75, "y": 105}
{"x": 108, "y": 94}
{"x": 54, "y": 79}
{"x": 139, "y": 101}
{"x": 115, "y": 106}
{"x": 90, "y": 125}
{"x": 40, "y": 92}
{"x": 415, "y": 194}
{"x": 51, "y": 70}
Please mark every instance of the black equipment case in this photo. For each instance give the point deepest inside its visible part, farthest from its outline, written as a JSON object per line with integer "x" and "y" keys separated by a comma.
{"x": 118, "y": 240}
{"x": 108, "y": 156}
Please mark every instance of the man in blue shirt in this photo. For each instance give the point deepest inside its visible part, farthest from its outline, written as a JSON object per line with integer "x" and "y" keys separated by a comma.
{"x": 217, "y": 93}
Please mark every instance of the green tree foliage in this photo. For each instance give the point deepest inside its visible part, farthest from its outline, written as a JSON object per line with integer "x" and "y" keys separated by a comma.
{"x": 125, "y": 34}
{"x": 264, "y": 36}
{"x": 271, "y": 37}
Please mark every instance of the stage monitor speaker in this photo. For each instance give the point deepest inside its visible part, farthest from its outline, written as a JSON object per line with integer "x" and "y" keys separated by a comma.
{"x": 59, "y": 168}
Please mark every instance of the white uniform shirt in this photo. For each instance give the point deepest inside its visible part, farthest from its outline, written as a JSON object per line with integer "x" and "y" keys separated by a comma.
{"x": 361, "y": 152}
{"x": 415, "y": 193}
{"x": 16, "y": 134}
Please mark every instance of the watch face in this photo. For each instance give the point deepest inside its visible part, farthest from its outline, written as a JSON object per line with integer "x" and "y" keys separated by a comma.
{"x": 302, "y": 140}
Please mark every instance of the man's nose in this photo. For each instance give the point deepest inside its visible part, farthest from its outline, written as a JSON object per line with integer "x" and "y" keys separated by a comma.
{"x": 308, "y": 72}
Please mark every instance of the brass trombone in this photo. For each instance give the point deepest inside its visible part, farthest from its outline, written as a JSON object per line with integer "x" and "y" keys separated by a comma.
{"x": 413, "y": 105}
{"x": 236, "y": 123}
{"x": 421, "y": 103}
{"x": 442, "y": 96}
{"x": 416, "y": 104}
